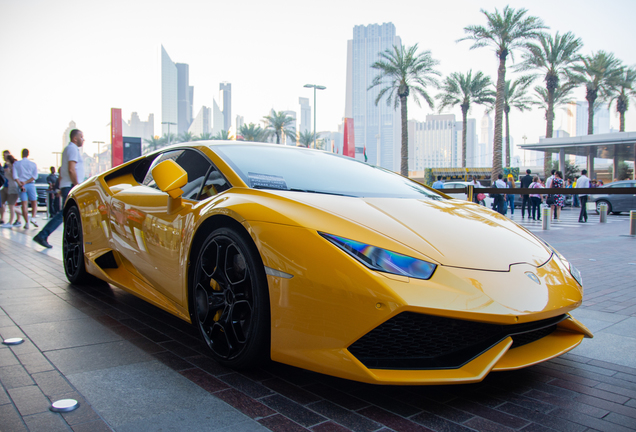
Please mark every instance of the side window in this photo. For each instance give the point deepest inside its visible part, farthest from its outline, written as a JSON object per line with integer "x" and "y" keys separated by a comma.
{"x": 214, "y": 184}
{"x": 197, "y": 166}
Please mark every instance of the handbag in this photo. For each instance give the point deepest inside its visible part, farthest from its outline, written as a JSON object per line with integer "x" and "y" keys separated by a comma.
{"x": 550, "y": 200}
{"x": 481, "y": 197}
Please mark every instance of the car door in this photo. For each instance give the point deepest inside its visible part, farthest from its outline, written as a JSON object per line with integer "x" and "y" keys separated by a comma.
{"x": 156, "y": 244}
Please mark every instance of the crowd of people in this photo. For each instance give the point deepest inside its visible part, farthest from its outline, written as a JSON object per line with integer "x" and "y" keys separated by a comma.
{"x": 18, "y": 190}
{"x": 531, "y": 203}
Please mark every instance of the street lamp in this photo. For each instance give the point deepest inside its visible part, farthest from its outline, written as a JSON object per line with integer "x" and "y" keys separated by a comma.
{"x": 168, "y": 123}
{"x": 319, "y": 87}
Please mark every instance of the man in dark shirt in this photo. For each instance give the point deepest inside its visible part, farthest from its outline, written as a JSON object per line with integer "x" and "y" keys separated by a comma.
{"x": 54, "y": 200}
{"x": 525, "y": 181}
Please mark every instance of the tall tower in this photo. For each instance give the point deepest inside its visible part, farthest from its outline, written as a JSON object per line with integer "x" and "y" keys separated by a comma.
{"x": 185, "y": 92}
{"x": 169, "y": 107}
{"x": 305, "y": 115}
{"x": 376, "y": 127}
{"x": 225, "y": 98}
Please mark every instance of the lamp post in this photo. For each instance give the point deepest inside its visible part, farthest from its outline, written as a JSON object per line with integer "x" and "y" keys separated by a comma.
{"x": 319, "y": 87}
{"x": 168, "y": 123}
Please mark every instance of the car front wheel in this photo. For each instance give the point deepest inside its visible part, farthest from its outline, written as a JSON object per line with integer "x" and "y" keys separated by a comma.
{"x": 598, "y": 206}
{"x": 231, "y": 300}
{"x": 73, "y": 248}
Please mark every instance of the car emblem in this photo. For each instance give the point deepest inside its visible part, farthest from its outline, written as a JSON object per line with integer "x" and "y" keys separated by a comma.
{"x": 534, "y": 277}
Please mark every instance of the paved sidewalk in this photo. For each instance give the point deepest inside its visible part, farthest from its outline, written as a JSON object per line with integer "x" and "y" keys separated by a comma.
{"x": 134, "y": 367}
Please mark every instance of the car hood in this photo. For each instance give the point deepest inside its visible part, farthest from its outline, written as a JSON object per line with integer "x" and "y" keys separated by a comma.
{"x": 453, "y": 233}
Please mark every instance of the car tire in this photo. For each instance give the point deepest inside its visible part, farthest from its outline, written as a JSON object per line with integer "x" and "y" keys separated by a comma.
{"x": 598, "y": 206}
{"x": 230, "y": 299}
{"x": 73, "y": 249}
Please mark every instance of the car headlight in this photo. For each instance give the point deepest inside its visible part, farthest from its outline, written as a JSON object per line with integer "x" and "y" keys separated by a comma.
{"x": 576, "y": 274}
{"x": 383, "y": 260}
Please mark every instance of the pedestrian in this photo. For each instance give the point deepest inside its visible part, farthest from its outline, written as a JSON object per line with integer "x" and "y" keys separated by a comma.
{"x": 582, "y": 183}
{"x": 71, "y": 174}
{"x": 9, "y": 192}
{"x": 524, "y": 183}
{"x": 510, "y": 198}
{"x": 536, "y": 199}
{"x": 559, "y": 200}
{"x": 478, "y": 198}
{"x": 439, "y": 184}
{"x": 24, "y": 173}
{"x": 54, "y": 200}
{"x": 575, "y": 198}
{"x": 500, "y": 198}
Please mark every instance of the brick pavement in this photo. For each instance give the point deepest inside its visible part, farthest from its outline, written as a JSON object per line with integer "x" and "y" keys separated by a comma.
{"x": 576, "y": 392}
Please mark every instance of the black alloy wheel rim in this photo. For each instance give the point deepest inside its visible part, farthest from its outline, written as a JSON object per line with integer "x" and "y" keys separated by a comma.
{"x": 72, "y": 246}
{"x": 224, "y": 297}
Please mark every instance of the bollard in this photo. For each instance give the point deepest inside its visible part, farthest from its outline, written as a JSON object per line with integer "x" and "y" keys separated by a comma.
{"x": 545, "y": 218}
{"x": 603, "y": 212}
{"x": 632, "y": 222}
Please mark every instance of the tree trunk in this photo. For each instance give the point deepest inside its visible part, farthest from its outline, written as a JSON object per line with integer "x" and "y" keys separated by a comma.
{"x": 465, "y": 108}
{"x": 508, "y": 146}
{"x": 499, "y": 104}
{"x": 551, "y": 85}
{"x": 590, "y": 96}
{"x": 404, "y": 167}
{"x": 622, "y": 124}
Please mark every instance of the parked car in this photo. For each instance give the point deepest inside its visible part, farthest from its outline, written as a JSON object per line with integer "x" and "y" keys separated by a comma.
{"x": 462, "y": 184}
{"x": 615, "y": 203}
{"x": 41, "y": 186}
{"x": 323, "y": 262}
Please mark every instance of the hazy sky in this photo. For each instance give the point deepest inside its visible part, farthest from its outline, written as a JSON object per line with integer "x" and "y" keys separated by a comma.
{"x": 74, "y": 60}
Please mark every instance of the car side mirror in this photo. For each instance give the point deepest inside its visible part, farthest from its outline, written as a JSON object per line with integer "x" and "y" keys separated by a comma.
{"x": 170, "y": 178}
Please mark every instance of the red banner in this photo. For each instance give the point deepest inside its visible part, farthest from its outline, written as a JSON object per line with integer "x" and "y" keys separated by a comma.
{"x": 116, "y": 136}
{"x": 349, "y": 146}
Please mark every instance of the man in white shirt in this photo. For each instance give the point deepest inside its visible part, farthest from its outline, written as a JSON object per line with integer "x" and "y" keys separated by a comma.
{"x": 71, "y": 174}
{"x": 583, "y": 182}
{"x": 25, "y": 172}
{"x": 500, "y": 198}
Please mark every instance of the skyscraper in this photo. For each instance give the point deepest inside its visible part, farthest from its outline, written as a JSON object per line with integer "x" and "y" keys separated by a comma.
{"x": 202, "y": 123}
{"x": 218, "y": 120}
{"x": 436, "y": 142}
{"x": 305, "y": 115}
{"x": 225, "y": 98}
{"x": 287, "y": 140}
{"x": 185, "y": 93}
{"x": 169, "y": 107}
{"x": 577, "y": 121}
{"x": 376, "y": 127}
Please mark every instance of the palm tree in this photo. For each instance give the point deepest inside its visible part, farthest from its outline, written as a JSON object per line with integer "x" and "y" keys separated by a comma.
{"x": 204, "y": 136}
{"x": 253, "y": 132}
{"x": 305, "y": 139}
{"x": 560, "y": 97}
{"x": 406, "y": 70}
{"x": 153, "y": 143}
{"x": 515, "y": 97}
{"x": 168, "y": 139}
{"x": 223, "y": 135}
{"x": 553, "y": 57}
{"x": 503, "y": 32}
{"x": 185, "y": 137}
{"x": 463, "y": 90}
{"x": 623, "y": 92}
{"x": 278, "y": 123}
{"x": 599, "y": 73}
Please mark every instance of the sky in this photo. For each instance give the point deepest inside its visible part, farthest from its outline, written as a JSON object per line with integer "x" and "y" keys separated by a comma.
{"x": 69, "y": 60}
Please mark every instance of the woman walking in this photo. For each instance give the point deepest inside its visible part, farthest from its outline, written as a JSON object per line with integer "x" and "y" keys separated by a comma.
{"x": 535, "y": 199}
{"x": 559, "y": 200}
{"x": 10, "y": 193}
{"x": 511, "y": 197}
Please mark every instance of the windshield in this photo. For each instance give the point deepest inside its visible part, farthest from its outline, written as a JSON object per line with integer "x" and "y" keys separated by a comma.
{"x": 305, "y": 170}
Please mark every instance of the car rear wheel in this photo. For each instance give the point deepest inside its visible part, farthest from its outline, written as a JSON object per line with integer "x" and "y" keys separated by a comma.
{"x": 231, "y": 300}
{"x": 598, "y": 206}
{"x": 73, "y": 248}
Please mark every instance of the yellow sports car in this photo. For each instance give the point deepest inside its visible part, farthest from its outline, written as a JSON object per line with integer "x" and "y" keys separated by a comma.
{"x": 323, "y": 262}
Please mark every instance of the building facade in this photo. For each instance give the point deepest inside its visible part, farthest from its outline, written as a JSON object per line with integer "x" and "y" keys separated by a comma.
{"x": 202, "y": 123}
{"x": 225, "y": 97}
{"x": 305, "y": 115}
{"x": 285, "y": 139}
{"x": 376, "y": 127}
{"x": 185, "y": 94}
{"x": 135, "y": 127}
{"x": 169, "y": 105}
